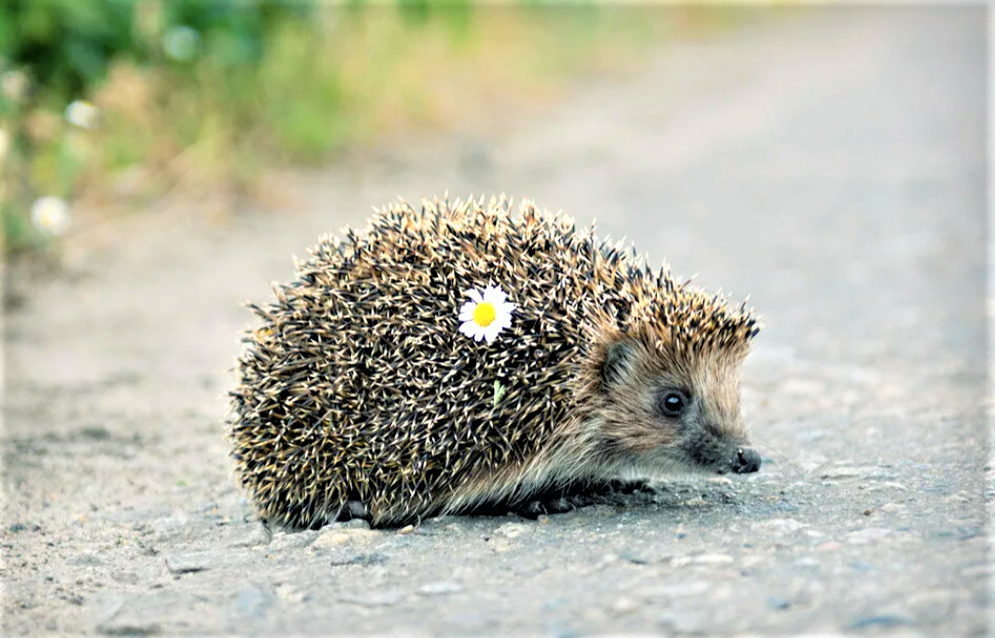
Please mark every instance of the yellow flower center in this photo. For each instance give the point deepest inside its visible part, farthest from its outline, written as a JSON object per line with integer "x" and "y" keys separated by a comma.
{"x": 484, "y": 314}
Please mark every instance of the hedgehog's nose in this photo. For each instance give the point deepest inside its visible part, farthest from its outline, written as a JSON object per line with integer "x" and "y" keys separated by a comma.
{"x": 746, "y": 461}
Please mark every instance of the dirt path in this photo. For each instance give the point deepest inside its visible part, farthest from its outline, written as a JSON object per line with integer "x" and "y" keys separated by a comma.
{"x": 832, "y": 166}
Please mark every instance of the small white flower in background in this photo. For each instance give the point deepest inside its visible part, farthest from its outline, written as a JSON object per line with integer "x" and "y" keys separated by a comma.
{"x": 179, "y": 43}
{"x": 51, "y": 215}
{"x": 4, "y": 144}
{"x": 487, "y": 315}
{"x": 14, "y": 85}
{"x": 82, "y": 114}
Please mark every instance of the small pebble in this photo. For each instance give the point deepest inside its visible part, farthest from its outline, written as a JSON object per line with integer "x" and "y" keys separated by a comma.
{"x": 782, "y": 525}
{"x": 624, "y": 605}
{"x": 384, "y": 598}
{"x": 333, "y": 537}
{"x": 443, "y": 587}
{"x": 867, "y": 535}
{"x": 191, "y": 562}
{"x": 778, "y": 603}
{"x": 283, "y": 541}
{"x": 359, "y": 559}
{"x": 885, "y": 620}
{"x": 511, "y": 530}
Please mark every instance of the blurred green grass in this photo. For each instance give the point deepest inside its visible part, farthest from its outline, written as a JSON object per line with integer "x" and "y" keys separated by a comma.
{"x": 197, "y": 94}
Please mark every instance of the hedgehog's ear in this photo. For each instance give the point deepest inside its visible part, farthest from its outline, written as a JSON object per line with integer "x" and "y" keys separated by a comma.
{"x": 618, "y": 358}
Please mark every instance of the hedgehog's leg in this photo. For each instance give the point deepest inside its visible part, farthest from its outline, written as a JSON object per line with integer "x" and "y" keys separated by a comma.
{"x": 349, "y": 510}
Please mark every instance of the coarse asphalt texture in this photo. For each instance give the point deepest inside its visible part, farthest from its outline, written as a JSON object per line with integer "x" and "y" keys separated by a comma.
{"x": 830, "y": 164}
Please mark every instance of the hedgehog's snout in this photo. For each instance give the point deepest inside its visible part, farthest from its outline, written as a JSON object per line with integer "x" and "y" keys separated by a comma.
{"x": 745, "y": 461}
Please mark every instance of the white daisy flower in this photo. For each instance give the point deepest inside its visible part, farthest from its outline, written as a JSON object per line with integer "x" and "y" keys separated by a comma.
{"x": 51, "y": 215}
{"x": 82, "y": 114}
{"x": 487, "y": 315}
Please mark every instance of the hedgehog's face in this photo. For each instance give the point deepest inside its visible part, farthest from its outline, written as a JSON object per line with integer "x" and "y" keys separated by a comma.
{"x": 664, "y": 413}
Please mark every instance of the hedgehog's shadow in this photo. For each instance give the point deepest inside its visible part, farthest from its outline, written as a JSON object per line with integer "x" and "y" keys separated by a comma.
{"x": 571, "y": 497}
{"x": 564, "y": 498}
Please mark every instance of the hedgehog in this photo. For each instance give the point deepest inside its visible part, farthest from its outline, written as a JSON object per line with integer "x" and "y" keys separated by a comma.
{"x": 366, "y": 391}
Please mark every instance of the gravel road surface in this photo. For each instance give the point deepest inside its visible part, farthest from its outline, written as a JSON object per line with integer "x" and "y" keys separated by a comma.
{"x": 831, "y": 165}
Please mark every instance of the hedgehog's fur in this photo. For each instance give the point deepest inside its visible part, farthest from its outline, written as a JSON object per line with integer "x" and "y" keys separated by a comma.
{"x": 358, "y": 393}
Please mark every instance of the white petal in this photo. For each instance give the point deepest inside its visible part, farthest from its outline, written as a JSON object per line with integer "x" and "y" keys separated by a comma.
{"x": 468, "y": 328}
{"x": 466, "y": 312}
{"x": 475, "y": 295}
{"x": 494, "y": 295}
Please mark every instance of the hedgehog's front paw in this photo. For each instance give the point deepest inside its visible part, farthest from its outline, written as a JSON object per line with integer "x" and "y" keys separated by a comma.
{"x": 350, "y": 510}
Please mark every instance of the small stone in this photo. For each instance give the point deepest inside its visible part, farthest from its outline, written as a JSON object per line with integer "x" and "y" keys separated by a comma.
{"x": 891, "y": 507}
{"x": 713, "y": 559}
{"x": 21, "y": 527}
{"x": 164, "y": 529}
{"x": 84, "y": 559}
{"x": 624, "y": 605}
{"x": 782, "y": 525}
{"x": 607, "y": 559}
{"x": 867, "y": 535}
{"x": 778, "y": 603}
{"x": 842, "y": 473}
{"x": 829, "y": 546}
{"x": 359, "y": 559}
{"x": 868, "y": 511}
{"x": 191, "y": 562}
{"x": 512, "y": 530}
{"x": 407, "y": 529}
{"x": 670, "y": 591}
{"x": 356, "y": 523}
{"x": 120, "y": 617}
{"x": 283, "y": 541}
{"x": 290, "y": 593}
{"x": 719, "y": 480}
{"x": 703, "y": 559}
{"x": 335, "y": 536}
{"x": 634, "y": 559}
{"x": 443, "y": 587}
{"x": 384, "y": 598}
{"x": 251, "y": 535}
{"x": 884, "y": 620}
{"x": 152, "y": 513}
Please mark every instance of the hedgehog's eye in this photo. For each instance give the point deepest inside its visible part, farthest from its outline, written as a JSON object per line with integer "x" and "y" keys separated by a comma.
{"x": 673, "y": 403}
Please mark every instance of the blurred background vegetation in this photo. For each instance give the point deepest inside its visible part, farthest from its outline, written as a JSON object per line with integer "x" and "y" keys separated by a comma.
{"x": 114, "y": 103}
